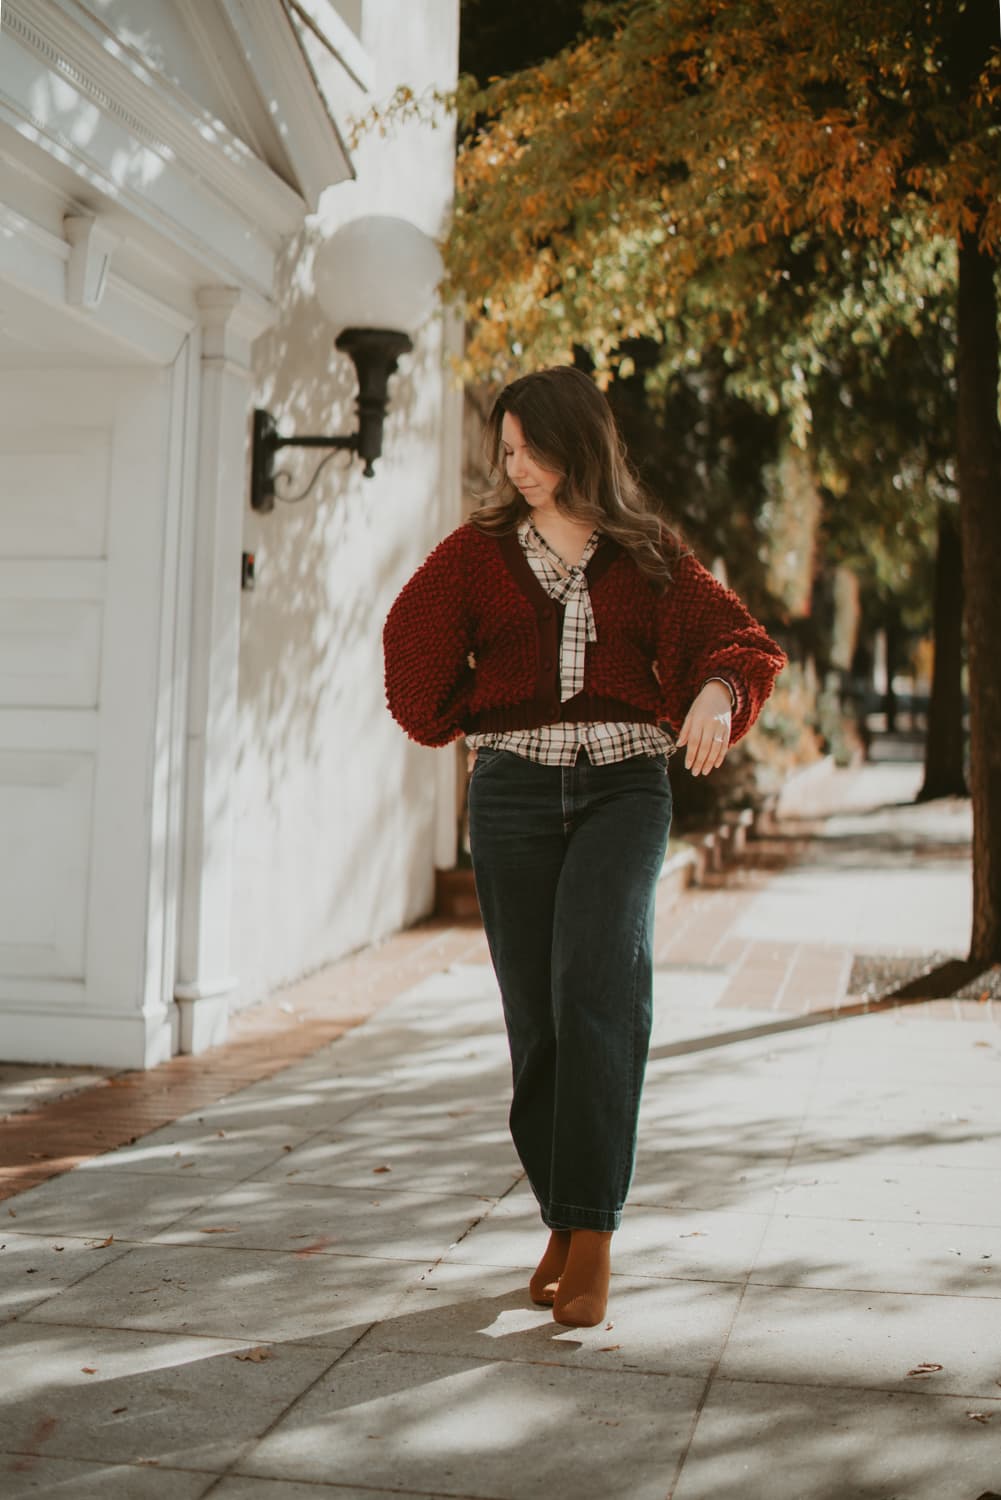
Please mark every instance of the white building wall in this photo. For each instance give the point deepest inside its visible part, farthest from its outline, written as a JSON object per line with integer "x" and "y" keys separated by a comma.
{"x": 334, "y": 810}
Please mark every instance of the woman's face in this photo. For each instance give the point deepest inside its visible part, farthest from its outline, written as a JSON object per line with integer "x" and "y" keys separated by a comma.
{"x": 536, "y": 484}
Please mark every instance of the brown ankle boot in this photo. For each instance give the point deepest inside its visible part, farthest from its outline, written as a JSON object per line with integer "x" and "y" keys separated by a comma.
{"x": 542, "y": 1287}
{"x": 582, "y": 1295}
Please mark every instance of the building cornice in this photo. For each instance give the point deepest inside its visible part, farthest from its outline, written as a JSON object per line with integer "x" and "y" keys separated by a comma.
{"x": 73, "y": 89}
{"x": 275, "y": 58}
{"x": 154, "y": 110}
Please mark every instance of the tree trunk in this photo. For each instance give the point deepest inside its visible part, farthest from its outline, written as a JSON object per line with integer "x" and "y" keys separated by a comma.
{"x": 979, "y": 454}
{"x": 944, "y": 774}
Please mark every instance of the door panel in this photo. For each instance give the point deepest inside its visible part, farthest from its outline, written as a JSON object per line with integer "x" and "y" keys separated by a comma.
{"x": 82, "y": 528}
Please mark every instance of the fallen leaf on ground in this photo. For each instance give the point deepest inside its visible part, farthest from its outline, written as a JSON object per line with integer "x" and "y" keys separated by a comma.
{"x": 609, "y": 1348}
{"x": 980, "y": 1416}
{"x": 99, "y": 1244}
{"x": 255, "y": 1355}
{"x": 116, "y": 1411}
{"x": 12, "y": 1213}
{"x": 382, "y": 1169}
{"x": 928, "y": 1367}
{"x": 88, "y": 1369}
{"x": 221, "y": 1229}
{"x": 693, "y": 1234}
{"x": 315, "y": 1247}
{"x": 42, "y": 1431}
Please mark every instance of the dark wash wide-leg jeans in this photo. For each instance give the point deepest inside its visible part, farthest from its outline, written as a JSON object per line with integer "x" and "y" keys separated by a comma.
{"x": 566, "y": 860}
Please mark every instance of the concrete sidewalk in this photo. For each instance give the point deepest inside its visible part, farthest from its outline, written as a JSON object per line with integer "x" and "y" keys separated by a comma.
{"x": 315, "y": 1285}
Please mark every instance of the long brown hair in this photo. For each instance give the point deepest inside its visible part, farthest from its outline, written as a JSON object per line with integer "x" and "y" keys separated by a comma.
{"x": 568, "y": 427}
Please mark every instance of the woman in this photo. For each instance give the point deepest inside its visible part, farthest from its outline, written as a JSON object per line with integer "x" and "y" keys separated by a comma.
{"x": 575, "y": 643}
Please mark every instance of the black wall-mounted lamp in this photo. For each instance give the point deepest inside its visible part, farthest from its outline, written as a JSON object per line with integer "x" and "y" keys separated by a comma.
{"x": 376, "y": 280}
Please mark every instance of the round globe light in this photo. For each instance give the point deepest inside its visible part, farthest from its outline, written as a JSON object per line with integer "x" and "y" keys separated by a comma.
{"x": 378, "y": 272}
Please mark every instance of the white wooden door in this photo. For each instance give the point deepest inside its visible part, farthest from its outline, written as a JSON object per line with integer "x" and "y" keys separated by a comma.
{"x": 84, "y": 481}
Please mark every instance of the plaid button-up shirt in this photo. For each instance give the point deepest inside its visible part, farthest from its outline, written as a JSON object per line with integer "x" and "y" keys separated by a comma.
{"x": 560, "y": 744}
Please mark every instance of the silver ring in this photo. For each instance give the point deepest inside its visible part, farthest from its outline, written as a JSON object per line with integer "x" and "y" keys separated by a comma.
{"x": 717, "y": 739}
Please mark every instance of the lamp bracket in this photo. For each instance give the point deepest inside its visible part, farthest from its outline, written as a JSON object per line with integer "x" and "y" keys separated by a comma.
{"x": 374, "y": 352}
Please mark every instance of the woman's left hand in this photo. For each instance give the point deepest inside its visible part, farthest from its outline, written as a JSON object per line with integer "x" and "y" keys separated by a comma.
{"x": 705, "y": 734}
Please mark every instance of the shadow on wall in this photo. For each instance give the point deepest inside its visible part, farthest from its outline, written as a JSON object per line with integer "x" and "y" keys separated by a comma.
{"x": 311, "y": 671}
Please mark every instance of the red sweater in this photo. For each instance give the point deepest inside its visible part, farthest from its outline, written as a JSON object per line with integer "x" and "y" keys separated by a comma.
{"x": 472, "y": 643}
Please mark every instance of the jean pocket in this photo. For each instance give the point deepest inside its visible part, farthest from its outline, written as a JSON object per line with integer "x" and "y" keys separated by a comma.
{"x": 486, "y": 755}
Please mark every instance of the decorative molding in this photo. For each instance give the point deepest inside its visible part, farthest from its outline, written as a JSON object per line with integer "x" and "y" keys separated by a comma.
{"x": 206, "y": 989}
{"x": 153, "y": 110}
{"x": 273, "y": 53}
{"x": 36, "y": 260}
{"x": 91, "y": 247}
{"x": 230, "y": 322}
{"x": 211, "y": 35}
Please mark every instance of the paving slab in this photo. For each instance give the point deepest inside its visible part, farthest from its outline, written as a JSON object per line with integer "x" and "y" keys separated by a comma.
{"x": 480, "y": 1163}
{"x": 892, "y": 1187}
{"x": 880, "y": 1256}
{"x": 689, "y": 1244}
{"x": 304, "y": 1105}
{"x": 380, "y": 1220}
{"x": 774, "y": 1441}
{"x": 743, "y": 1181}
{"x": 242, "y": 1487}
{"x": 36, "y": 1267}
{"x": 192, "y": 1147}
{"x": 307, "y": 1297}
{"x": 116, "y": 1396}
{"x": 841, "y": 1093}
{"x": 433, "y": 1115}
{"x": 92, "y": 1205}
{"x": 483, "y": 1428}
{"x": 873, "y": 1339}
{"x": 24, "y": 1475}
{"x": 655, "y": 1325}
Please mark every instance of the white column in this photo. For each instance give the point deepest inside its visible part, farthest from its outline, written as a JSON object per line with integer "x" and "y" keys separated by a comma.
{"x": 205, "y": 968}
{"x": 446, "y": 835}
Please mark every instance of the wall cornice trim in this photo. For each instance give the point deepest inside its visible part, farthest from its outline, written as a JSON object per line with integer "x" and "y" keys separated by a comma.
{"x": 68, "y": 86}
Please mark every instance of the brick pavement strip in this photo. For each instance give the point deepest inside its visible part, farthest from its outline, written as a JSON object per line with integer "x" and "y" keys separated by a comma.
{"x": 40, "y": 1143}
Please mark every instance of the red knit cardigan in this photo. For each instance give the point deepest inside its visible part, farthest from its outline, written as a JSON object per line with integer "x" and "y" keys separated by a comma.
{"x": 472, "y": 643}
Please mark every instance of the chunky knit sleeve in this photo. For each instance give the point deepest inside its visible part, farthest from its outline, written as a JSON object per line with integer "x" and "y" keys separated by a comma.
{"x": 426, "y": 642}
{"x": 705, "y": 631}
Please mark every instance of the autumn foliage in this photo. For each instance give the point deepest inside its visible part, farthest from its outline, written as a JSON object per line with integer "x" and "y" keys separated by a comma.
{"x": 593, "y": 188}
